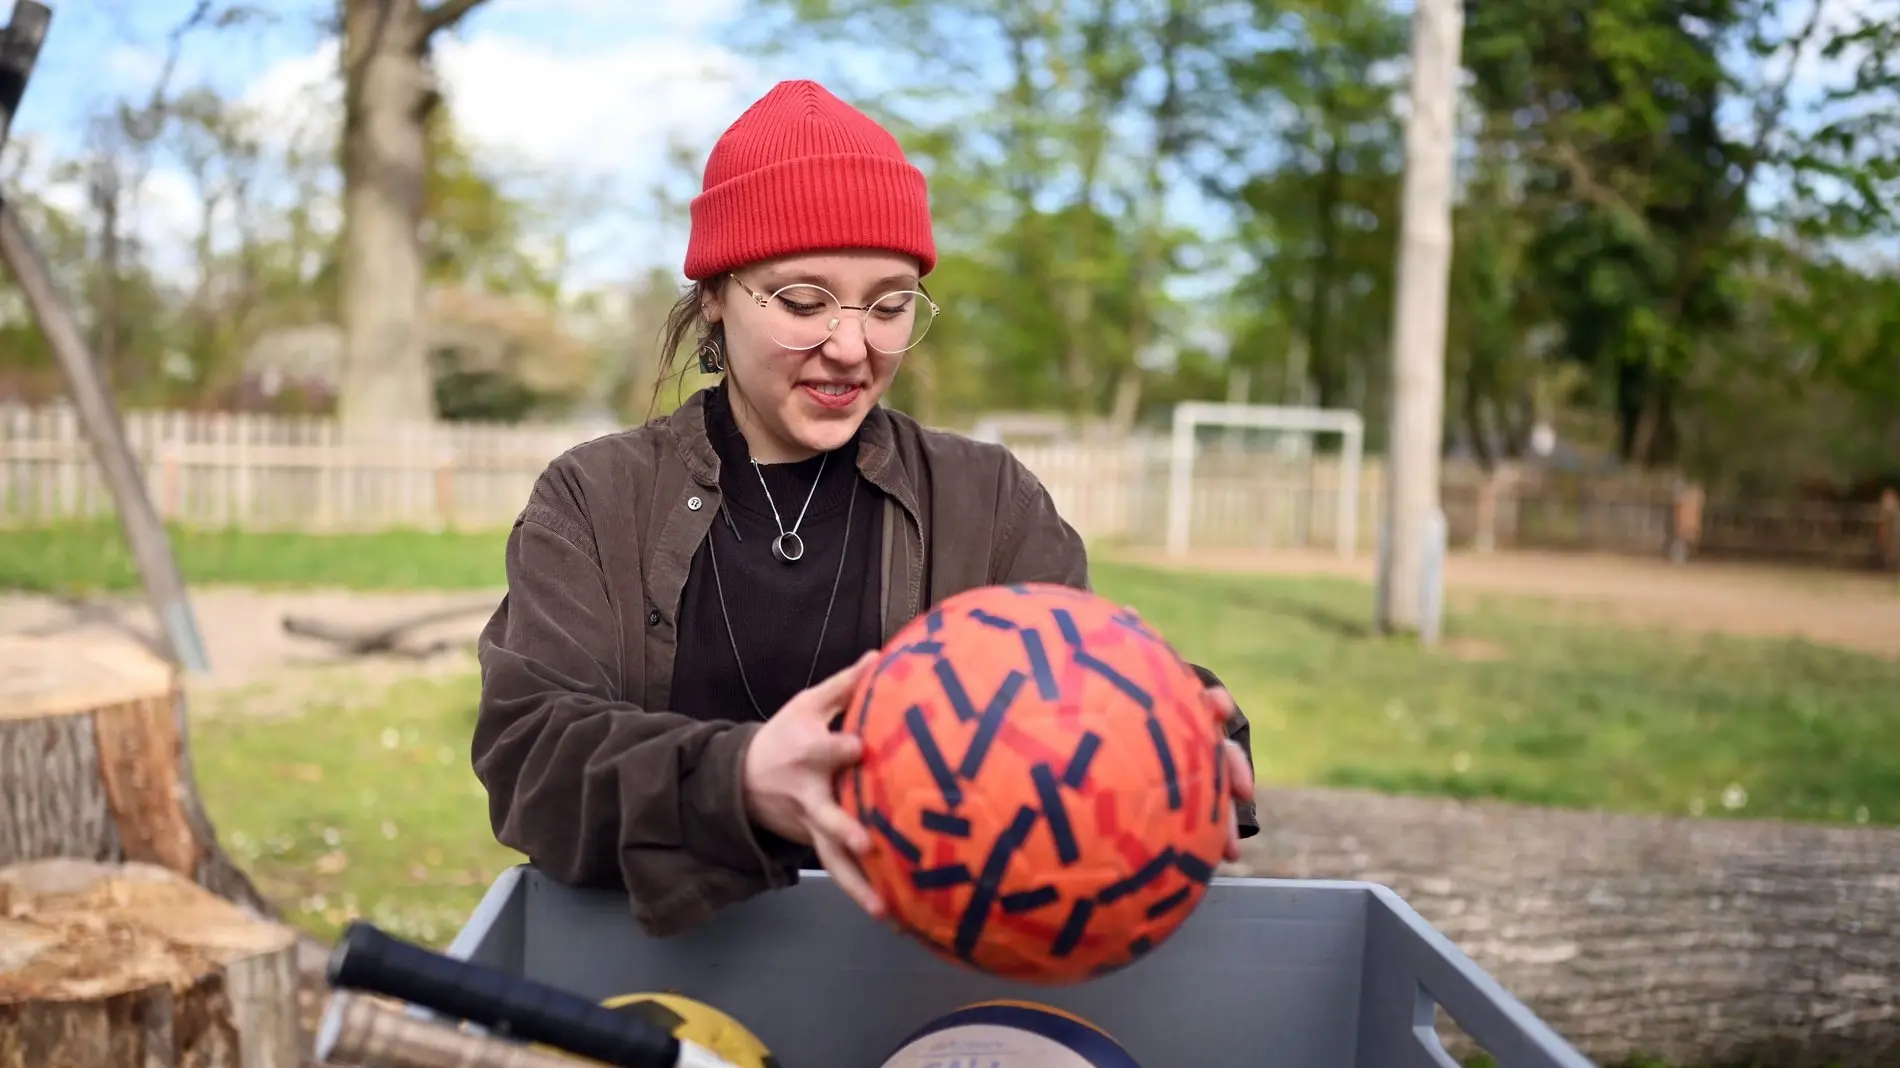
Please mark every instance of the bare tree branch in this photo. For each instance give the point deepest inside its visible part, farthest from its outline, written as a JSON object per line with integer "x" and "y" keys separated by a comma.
{"x": 446, "y": 13}
{"x": 144, "y": 124}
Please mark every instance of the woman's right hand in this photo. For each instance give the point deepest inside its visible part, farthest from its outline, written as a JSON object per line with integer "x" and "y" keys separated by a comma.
{"x": 790, "y": 768}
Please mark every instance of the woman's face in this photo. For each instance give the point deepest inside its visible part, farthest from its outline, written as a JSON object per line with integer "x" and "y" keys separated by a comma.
{"x": 793, "y": 401}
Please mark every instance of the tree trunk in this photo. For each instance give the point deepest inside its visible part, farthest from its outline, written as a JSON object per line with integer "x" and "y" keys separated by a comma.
{"x": 107, "y": 326}
{"x": 1324, "y": 360}
{"x": 1694, "y": 941}
{"x": 1418, "y": 327}
{"x": 95, "y": 765}
{"x": 135, "y": 967}
{"x": 385, "y": 375}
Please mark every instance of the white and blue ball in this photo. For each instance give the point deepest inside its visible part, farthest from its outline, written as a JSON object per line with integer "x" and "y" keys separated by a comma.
{"x": 1009, "y": 1034}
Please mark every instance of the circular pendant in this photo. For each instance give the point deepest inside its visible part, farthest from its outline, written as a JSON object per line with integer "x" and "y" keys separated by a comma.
{"x": 788, "y": 547}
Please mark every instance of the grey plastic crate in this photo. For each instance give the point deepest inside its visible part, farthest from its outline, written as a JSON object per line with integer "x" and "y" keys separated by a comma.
{"x": 1267, "y": 973}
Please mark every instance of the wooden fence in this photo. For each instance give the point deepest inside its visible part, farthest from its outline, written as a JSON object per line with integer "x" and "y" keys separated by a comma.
{"x": 296, "y": 473}
{"x": 254, "y": 471}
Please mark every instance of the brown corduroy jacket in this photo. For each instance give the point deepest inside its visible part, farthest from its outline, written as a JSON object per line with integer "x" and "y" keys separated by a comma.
{"x": 586, "y": 772}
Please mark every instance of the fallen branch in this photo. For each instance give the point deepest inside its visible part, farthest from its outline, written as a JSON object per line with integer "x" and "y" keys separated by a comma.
{"x": 381, "y": 638}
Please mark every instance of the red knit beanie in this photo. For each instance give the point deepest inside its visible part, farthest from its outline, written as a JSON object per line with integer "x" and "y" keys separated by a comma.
{"x": 802, "y": 171}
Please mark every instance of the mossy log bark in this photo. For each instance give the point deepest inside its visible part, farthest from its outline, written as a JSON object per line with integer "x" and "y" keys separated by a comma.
{"x": 1705, "y": 942}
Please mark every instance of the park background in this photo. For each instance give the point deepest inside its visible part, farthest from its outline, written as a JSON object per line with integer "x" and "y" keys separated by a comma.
{"x": 1672, "y": 424}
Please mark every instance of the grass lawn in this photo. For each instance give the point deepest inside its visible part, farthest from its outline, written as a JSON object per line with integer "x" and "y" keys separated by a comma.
{"x": 1526, "y": 706}
{"x": 93, "y": 558}
{"x": 349, "y": 810}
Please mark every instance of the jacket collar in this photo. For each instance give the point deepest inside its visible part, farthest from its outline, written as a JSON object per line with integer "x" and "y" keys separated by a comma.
{"x": 877, "y": 450}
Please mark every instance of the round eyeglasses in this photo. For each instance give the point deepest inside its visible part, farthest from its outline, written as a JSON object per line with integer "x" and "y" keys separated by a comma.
{"x": 804, "y": 316}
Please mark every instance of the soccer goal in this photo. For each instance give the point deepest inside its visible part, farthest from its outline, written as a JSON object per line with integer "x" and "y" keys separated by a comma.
{"x": 1190, "y": 416}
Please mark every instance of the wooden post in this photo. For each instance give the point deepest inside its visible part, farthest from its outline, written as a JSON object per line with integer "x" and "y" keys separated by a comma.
{"x": 1484, "y": 533}
{"x": 445, "y": 494}
{"x": 1888, "y": 530}
{"x": 1510, "y": 493}
{"x": 171, "y": 484}
{"x": 1685, "y": 522}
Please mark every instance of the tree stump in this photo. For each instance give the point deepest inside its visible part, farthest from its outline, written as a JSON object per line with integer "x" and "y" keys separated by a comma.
{"x": 95, "y": 765}
{"x": 88, "y": 744}
{"x": 135, "y": 966}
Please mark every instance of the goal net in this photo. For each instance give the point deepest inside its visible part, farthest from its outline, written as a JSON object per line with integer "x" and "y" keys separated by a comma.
{"x": 1220, "y": 476}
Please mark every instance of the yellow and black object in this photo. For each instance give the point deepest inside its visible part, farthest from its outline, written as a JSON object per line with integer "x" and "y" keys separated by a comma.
{"x": 698, "y": 1023}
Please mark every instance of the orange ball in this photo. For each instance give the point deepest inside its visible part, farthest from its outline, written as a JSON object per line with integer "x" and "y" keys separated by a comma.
{"x": 1042, "y": 779}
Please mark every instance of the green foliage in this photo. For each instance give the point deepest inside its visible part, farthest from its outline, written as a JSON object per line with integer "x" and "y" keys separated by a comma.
{"x": 1045, "y": 131}
{"x": 477, "y": 232}
{"x": 1612, "y": 231}
{"x": 1665, "y": 241}
{"x": 1320, "y": 222}
{"x": 1645, "y": 243}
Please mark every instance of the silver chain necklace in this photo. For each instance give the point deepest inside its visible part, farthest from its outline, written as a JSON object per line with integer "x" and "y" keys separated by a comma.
{"x": 788, "y": 547}
{"x": 719, "y": 584}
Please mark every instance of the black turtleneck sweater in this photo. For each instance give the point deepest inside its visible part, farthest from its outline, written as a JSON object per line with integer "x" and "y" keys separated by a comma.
{"x": 777, "y": 611}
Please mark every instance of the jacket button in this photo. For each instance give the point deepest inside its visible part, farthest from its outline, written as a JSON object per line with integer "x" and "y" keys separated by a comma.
{"x": 693, "y": 504}
{"x": 653, "y": 617}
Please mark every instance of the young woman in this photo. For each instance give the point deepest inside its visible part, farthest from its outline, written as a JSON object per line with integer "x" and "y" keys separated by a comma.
{"x": 690, "y": 602}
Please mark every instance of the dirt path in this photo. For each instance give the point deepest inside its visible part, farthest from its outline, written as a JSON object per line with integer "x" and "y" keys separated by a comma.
{"x": 1855, "y": 611}
{"x": 255, "y": 665}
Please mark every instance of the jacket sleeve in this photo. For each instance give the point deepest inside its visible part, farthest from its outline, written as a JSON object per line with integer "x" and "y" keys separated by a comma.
{"x": 1038, "y": 545}
{"x": 595, "y": 790}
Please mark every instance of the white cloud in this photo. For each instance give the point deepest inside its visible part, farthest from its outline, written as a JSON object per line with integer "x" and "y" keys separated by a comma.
{"x": 1813, "y": 72}
{"x": 169, "y": 215}
{"x": 670, "y": 19}
{"x": 609, "y": 112}
{"x": 33, "y": 164}
{"x": 131, "y": 65}
{"x": 296, "y": 97}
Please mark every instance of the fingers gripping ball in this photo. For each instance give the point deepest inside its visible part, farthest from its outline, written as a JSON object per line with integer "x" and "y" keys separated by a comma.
{"x": 1010, "y": 1034}
{"x": 1042, "y": 779}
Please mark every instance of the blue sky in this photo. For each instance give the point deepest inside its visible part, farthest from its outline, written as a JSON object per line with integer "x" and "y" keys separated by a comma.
{"x": 587, "y": 91}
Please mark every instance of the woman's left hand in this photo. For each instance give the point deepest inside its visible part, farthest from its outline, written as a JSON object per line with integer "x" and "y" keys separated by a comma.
{"x": 1240, "y": 784}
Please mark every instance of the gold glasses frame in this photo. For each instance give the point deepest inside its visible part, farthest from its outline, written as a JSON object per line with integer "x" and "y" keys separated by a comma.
{"x": 864, "y": 312}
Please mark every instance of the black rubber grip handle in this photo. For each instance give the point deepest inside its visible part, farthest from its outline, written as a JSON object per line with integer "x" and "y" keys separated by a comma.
{"x": 368, "y": 959}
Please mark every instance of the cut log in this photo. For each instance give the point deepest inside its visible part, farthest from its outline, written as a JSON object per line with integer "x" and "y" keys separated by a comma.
{"x": 1693, "y": 941}
{"x": 95, "y": 764}
{"x": 134, "y": 966}
{"x": 391, "y": 636}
